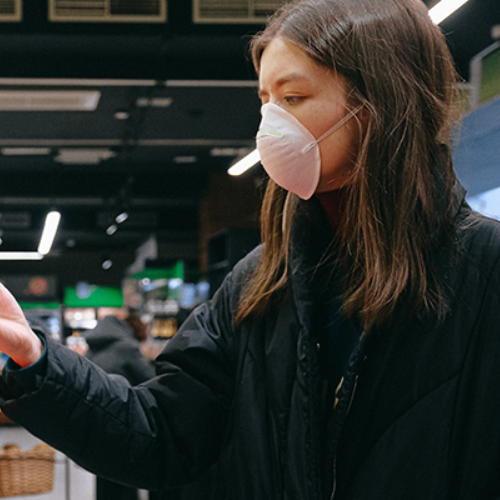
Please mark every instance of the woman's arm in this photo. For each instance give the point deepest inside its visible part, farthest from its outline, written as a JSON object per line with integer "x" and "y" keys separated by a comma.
{"x": 160, "y": 434}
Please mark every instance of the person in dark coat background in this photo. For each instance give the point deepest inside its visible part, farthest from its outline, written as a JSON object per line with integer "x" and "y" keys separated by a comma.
{"x": 114, "y": 345}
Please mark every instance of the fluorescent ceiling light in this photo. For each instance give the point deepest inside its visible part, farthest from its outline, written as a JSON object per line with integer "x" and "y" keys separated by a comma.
{"x": 185, "y": 160}
{"x": 245, "y": 163}
{"x": 25, "y": 151}
{"x": 229, "y": 151}
{"x": 20, "y": 256}
{"x": 46, "y": 240}
{"x": 49, "y": 232}
{"x": 153, "y": 102}
{"x": 49, "y": 100}
{"x": 445, "y": 8}
{"x": 83, "y": 156}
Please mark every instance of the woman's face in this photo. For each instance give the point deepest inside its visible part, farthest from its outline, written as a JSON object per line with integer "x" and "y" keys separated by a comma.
{"x": 317, "y": 97}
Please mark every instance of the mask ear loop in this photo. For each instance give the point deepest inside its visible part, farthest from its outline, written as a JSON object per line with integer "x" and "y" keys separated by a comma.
{"x": 334, "y": 128}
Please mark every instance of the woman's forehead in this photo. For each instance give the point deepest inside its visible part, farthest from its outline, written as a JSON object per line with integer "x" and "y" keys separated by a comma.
{"x": 284, "y": 62}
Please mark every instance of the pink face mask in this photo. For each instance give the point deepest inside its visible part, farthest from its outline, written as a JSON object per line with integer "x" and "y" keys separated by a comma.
{"x": 289, "y": 152}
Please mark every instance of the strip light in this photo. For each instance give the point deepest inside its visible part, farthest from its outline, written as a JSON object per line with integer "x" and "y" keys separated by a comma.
{"x": 445, "y": 8}
{"x": 438, "y": 13}
{"x": 20, "y": 256}
{"x": 46, "y": 240}
{"x": 49, "y": 232}
{"x": 245, "y": 163}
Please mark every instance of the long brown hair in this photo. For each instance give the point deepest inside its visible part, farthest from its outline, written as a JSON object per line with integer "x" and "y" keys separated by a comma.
{"x": 398, "y": 207}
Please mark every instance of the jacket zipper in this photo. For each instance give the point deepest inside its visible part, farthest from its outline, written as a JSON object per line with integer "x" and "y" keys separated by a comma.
{"x": 334, "y": 482}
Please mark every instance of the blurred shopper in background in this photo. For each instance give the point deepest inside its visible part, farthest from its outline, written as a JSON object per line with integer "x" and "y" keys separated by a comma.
{"x": 114, "y": 345}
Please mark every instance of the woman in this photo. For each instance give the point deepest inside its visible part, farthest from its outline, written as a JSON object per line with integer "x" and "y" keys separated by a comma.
{"x": 354, "y": 355}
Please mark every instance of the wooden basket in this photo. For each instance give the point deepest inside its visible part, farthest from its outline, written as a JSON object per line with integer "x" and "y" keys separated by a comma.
{"x": 27, "y": 472}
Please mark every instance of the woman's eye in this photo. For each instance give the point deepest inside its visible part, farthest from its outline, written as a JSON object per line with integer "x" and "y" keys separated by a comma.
{"x": 292, "y": 99}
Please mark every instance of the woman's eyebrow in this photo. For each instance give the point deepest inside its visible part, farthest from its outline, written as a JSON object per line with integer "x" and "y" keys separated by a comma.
{"x": 291, "y": 77}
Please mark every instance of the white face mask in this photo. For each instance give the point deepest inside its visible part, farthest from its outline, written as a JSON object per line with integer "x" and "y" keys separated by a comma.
{"x": 289, "y": 152}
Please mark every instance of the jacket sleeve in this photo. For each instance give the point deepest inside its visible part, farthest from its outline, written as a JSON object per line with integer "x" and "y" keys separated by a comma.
{"x": 157, "y": 435}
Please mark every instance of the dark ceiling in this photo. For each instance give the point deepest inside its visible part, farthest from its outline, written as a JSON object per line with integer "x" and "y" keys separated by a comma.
{"x": 189, "y": 93}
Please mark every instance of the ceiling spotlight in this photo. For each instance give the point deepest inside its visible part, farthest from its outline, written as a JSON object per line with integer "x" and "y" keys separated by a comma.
{"x": 121, "y": 115}
{"x": 120, "y": 218}
{"x": 107, "y": 264}
{"x": 185, "y": 159}
{"x": 111, "y": 229}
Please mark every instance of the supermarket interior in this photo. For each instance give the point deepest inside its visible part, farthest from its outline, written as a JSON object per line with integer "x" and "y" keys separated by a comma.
{"x": 123, "y": 117}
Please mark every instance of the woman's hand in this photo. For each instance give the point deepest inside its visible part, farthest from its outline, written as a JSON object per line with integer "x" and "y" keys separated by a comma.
{"x": 17, "y": 340}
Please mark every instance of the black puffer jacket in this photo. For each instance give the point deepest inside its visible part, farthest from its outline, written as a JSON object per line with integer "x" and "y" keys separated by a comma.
{"x": 418, "y": 416}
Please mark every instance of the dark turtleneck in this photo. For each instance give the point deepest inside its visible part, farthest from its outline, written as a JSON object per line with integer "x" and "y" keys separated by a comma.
{"x": 333, "y": 203}
{"x": 337, "y": 336}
